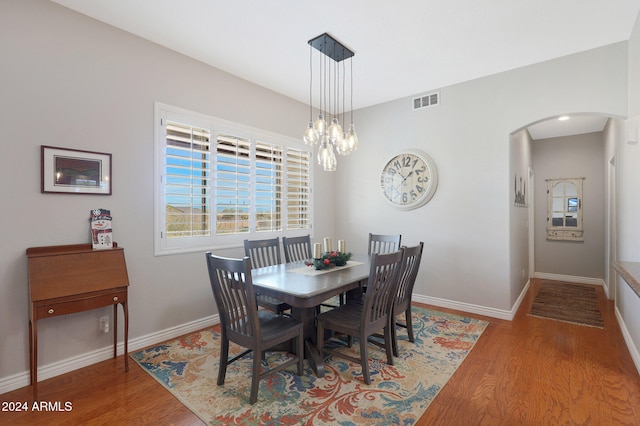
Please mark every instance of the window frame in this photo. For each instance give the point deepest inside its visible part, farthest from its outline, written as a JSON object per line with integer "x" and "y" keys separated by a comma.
{"x": 217, "y": 126}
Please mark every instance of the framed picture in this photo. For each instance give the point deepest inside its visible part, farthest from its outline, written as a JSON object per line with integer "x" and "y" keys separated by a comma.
{"x": 72, "y": 171}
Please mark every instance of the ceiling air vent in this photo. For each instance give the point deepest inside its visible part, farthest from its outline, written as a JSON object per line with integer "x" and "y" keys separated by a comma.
{"x": 425, "y": 101}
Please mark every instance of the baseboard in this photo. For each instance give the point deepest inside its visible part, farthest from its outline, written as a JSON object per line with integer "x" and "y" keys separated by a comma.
{"x": 461, "y": 306}
{"x": 633, "y": 350}
{"x": 20, "y": 380}
{"x": 569, "y": 278}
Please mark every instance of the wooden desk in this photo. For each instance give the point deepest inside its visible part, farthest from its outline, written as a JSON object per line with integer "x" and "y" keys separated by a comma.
{"x": 74, "y": 278}
{"x": 304, "y": 292}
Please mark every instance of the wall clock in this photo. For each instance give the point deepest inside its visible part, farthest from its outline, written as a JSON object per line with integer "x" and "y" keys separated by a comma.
{"x": 409, "y": 179}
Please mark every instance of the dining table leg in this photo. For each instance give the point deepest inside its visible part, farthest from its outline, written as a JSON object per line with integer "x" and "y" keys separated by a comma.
{"x": 308, "y": 318}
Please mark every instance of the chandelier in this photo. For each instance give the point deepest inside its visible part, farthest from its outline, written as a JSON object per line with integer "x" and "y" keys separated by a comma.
{"x": 331, "y": 137}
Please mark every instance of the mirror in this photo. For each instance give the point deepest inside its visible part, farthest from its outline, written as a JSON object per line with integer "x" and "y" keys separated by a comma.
{"x": 564, "y": 209}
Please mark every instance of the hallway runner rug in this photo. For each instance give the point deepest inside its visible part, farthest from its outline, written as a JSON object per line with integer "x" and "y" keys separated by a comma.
{"x": 572, "y": 303}
{"x": 399, "y": 394}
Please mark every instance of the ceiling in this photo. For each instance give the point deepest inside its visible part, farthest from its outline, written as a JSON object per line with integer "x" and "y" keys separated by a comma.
{"x": 401, "y": 48}
{"x": 576, "y": 124}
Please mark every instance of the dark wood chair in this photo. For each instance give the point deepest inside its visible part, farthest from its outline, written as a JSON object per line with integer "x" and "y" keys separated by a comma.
{"x": 266, "y": 253}
{"x": 410, "y": 264}
{"x": 297, "y": 248}
{"x": 364, "y": 319}
{"x": 379, "y": 243}
{"x": 242, "y": 322}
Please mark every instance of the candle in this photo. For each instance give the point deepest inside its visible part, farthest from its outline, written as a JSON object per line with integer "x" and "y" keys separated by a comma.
{"x": 342, "y": 246}
{"x": 327, "y": 244}
{"x": 317, "y": 250}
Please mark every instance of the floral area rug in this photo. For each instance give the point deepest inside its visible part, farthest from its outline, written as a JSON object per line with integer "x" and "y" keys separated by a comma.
{"x": 399, "y": 394}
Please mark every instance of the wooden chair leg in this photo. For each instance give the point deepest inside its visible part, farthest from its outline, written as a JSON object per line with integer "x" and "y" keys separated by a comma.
{"x": 255, "y": 378}
{"x": 364, "y": 360}
{"x": 224, "y": 358}
{"x": 409, "y": 325}
{"x": 394, "y": 336}
{"x": 320, "y": 339}
{"x": 388, "y": 344}
{"x": 300, "y": 354}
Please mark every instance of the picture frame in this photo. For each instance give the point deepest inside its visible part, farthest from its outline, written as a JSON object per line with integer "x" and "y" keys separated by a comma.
{"x": 72, "y": 171}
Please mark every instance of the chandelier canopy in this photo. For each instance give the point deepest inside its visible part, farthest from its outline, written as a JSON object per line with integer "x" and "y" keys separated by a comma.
{"x": 331, "y": 103}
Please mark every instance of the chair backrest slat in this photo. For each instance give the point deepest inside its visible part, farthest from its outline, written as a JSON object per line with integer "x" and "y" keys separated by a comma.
{"x": 410, "y": 264}
{"x": 233, "y": 292}
{"x": 296, "y": 248}
{"x": 379, "y": 243}
{"x": 382, "y": 285}
{"x": 263, "y": 252}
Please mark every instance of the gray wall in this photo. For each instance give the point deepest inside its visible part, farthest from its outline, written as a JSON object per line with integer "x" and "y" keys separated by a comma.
{"x": 466, "y": 226}
{"x": 571, "y": 157}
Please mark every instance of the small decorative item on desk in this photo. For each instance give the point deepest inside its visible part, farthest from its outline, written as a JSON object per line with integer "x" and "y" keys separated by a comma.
{"x": 101, "y": 231}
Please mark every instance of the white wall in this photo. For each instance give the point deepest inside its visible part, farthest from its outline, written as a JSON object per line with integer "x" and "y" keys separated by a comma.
{"x": 628, "y": 202}
{"x": 67, "y": 80}
{"x": 520, "y": 163}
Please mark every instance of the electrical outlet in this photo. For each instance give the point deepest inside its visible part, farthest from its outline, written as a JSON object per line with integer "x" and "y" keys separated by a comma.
{"x": 104, "y": 324}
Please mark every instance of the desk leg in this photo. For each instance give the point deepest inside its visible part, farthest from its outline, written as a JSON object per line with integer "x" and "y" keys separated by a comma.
{"x": 115, "y": 330}
{"x": 308, "y": 318}
{"x": 33, "y": 356}
{"x": 126, "y": 333}
{"x": 126, "y": 336}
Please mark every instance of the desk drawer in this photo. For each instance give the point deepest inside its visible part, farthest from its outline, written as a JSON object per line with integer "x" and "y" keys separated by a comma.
{"x": 53, "y": 309}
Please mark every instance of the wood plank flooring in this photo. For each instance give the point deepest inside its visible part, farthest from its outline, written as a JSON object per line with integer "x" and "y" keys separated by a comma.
{"x": 529, "y": 371}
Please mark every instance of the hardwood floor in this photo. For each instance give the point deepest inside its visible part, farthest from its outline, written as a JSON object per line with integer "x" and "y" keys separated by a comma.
{"x": 528, "y": 371}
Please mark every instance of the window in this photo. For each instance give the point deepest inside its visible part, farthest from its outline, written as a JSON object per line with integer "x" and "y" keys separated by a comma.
{"x": 218, "y": 183}
{"x": 564, "y": 209}
{"x": 298, "y": 189}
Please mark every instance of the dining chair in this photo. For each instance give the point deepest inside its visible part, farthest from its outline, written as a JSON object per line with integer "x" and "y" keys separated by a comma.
{"x": 244, "y": 324}
{"x": 362, "y": 320}
{"x": 297, "y": 248}
{"x": 266, "y": 253}
{"x": 379, "y": 243}
{"x": 411, "y": 257}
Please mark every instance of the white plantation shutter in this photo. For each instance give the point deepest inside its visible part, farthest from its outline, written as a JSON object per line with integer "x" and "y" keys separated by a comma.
{"x": 268, "y": 187}
{"x": 218, "y": 183}
{"x": 233, "y": 185}
{"x": 298, "y": 189}
{"x": 187, "y": 181}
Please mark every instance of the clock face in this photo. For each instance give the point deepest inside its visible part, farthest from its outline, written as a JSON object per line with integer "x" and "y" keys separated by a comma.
{"x": 409, "y": 180}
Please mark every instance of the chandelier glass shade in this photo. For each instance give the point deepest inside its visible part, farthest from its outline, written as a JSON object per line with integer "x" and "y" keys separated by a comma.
{"x": 331, "y": 82}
